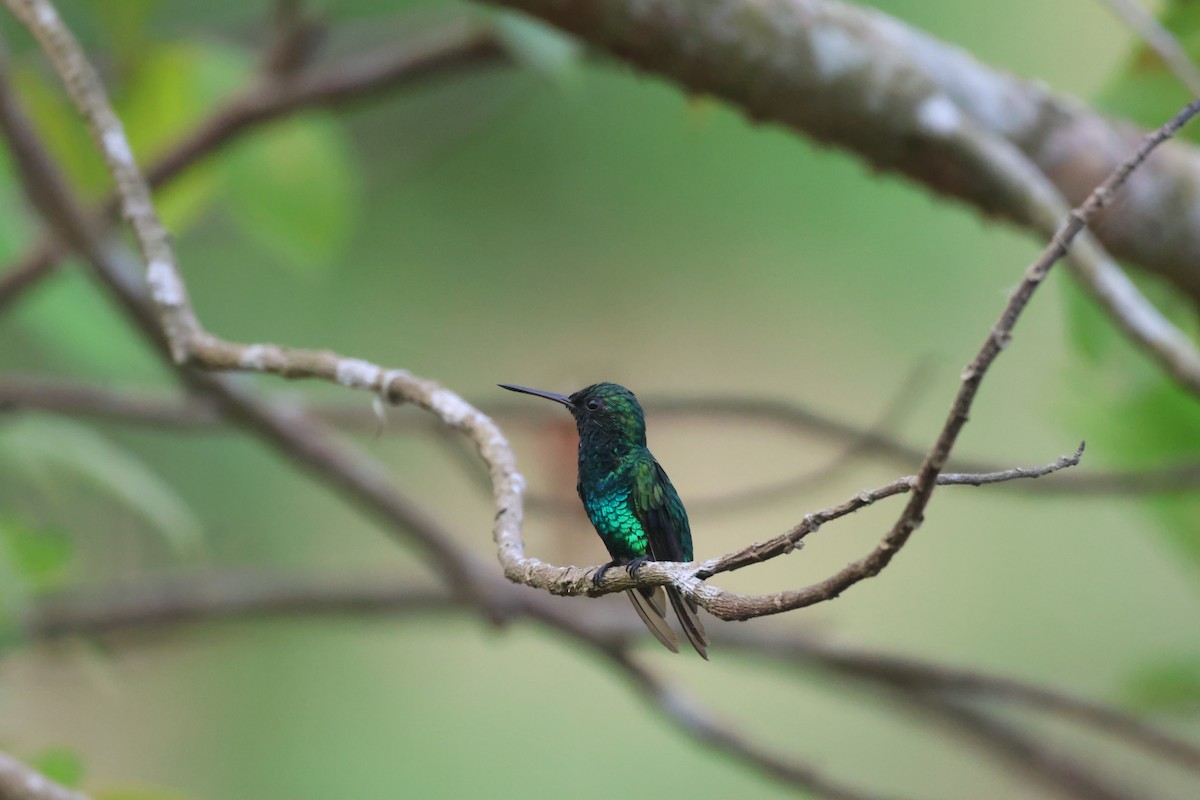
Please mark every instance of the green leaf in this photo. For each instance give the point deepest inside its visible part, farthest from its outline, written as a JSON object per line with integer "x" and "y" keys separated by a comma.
{"x": 60, "y": 765}
{"x": 16, "y": 224}
{"x": 1089, "y": 329}
{"x": 42, "y": 449}
{"x": 79, "y": 328}
{"x": 294, "y": 190}
{"x": 1145, "y": 90}
{"x": 126, "y": 25}
{"x": 1170, "y": 685}
{"x": 61, "y": 130}
{"x": 1180, "y": 516}
{"x": 1161, "y": 422}
{"x": 538, "y": 46}
{"x": 39, "y": 556}
{"x": 173, "y": 88}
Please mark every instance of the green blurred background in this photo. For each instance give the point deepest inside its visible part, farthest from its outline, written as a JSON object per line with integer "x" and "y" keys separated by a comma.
{"x": 554, "y": 227}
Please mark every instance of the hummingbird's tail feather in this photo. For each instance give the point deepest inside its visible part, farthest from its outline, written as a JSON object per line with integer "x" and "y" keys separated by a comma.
{"x": 688, "y": 620}
{"x": 657, "y": 599}
{"x": 652, "y": 610}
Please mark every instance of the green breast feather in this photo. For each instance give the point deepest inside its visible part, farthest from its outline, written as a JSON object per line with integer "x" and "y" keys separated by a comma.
{"x": 615, "y": 520}
{"x": 637, "y": 512}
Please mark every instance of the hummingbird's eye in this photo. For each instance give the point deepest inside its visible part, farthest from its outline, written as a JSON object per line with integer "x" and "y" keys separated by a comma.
{"x": 594, "y": 404}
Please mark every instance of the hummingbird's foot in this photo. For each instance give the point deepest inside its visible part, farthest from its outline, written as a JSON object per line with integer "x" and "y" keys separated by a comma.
{"x": 637, "y": 564}
{"x": 599, "y": 576}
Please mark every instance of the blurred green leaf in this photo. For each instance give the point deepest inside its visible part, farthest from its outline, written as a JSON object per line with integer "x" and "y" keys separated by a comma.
{"x": 40, "y": 449}
{"x": 126, "y": 26}
{"x": 1151, "y": 421}
{"x": 1181, "y": 522}
{"x": 1144, "y": 90}
{"x": 82, "y": 330}
{"x": 1171, "y": 686}
{"x": 17, "y": 226}
{"x": 538, "y": 46}
{"x": 61, "y": 130}
{"x": 1158, "y": 423}
{"x": 39, "y": 556}
{"x": 60, "y": 765}
{"x": 294, "y": 190}
{"x": 1089, "y": 329}
{"x": 173, "y": 88}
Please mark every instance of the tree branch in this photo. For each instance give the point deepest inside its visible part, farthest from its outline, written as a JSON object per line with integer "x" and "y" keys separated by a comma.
{"x": 1015, "y": 750}
{"x": 453, "y": 49}
{"x": 21, "y": 782}
{"x": 250, "y": 595}
{"x": 191, "y": 346}
{"x": 861, "y": 80}
{"x": 197, "y": 413}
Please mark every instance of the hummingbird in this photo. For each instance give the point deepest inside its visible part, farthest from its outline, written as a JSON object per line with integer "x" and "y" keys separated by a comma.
{"x": 630, "y": 501}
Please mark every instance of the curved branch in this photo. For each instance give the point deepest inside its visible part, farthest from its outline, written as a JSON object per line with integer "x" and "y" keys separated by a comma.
{"x": 864, "y": 81}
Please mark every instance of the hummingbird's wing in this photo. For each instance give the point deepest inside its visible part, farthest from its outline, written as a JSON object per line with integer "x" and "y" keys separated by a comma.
{"x": 668, "y": 536}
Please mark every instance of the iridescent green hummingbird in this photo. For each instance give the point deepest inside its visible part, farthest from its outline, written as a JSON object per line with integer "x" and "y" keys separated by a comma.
{"x": 630, "y": 501}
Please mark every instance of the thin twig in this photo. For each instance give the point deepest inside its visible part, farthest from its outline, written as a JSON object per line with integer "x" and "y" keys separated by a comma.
{"x": 183, "y": 413}
{"x": 1112, "y": 290}
{"x": 996, "y": 341}
{"x": 787, "y": 542}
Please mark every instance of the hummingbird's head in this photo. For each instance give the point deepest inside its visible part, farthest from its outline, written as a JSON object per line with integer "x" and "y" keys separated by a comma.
{"x": 602, "y": 411}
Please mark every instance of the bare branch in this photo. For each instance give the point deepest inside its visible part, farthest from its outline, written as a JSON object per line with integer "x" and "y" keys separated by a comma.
{"x": 364, "y": 480}
{"x": 1015, "y": 750}
{"x": 680, "y": 709}
{"x": 454, "y": 49}
{"x": 787, "y": 542}
{"x": 927, "y": 677}
{"x": 20, "y": 782}
{"x": 858, "y": 79}
{"x": 972, "y": 377}
{"x": 1043, "y": 207}
{"x": 246, "y": 595}
{"x": 190, "y": 344}
{"x": 199, "y": 413}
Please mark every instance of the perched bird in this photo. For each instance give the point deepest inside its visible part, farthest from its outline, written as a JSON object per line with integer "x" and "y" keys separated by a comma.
{"x": 630, "y": 501}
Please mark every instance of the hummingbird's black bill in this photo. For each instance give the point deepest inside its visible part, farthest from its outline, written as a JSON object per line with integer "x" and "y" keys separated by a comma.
{"x": 558, "y": 398}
